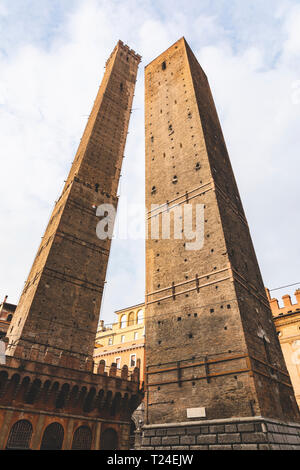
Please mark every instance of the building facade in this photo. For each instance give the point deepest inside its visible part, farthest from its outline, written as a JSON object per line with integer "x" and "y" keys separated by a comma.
{"x": 123, "y": 342}
{"x": 52, "y": 396}
{"x": 287, "y": 323}
{"x": 7, "y": 311}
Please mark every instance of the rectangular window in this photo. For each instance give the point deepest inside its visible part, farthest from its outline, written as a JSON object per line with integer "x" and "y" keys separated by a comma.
{"x": 132, "y": 360}
{"x": 110, "y": 341}
{"x": 123, "y": 339}
{"x": 118, "y": 362}
{"x": 136, "y": 335}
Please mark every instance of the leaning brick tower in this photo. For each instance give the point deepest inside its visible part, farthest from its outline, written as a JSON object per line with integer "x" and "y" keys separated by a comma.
{"x": 216, "y": 377}
{"x": 51, "y": 395}
{"x": 59, "y": 308}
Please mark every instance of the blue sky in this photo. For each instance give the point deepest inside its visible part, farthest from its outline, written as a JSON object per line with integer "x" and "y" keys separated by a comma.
{"x": 52, "y": 56}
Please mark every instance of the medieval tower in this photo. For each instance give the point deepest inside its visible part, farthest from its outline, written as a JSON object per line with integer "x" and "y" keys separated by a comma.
{"x": 212, "y": 353}
{"x": 49, "y": 375}
{"x": 59, "y": 307}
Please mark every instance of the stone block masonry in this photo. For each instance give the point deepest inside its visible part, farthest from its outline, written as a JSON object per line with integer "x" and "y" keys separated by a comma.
{"x": 255, "y": 433}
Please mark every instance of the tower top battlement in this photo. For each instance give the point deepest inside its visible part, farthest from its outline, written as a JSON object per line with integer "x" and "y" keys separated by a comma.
{"x": 126, "y": 49}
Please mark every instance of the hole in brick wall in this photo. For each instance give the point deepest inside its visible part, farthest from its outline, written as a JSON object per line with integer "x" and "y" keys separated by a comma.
{"x": 212, "y": 310}
{"x": 179, "y": 319}
{"x": 190, "y": 335}
{"x": 152, "y": 138}
{"x": 153, "y": 190}
{"x": 186, "y": 295}
{"x": 121, "y": 87}
{"x": 158, "y": 286}
{"x": 164, "y": 65}
{"x": 193, "y": 384}
{"x": 159, "y": 342}
{"x": 228, "y": 306}
{"x": 230, "y": 351}
{"x": 212, "y": 250}
{"x": 198, "y": 166}
{"x": 158, "y": 388}
{"x": 175, "y": 179}
{"x": 217, "y": 287}
{"x": 225, "y": 327}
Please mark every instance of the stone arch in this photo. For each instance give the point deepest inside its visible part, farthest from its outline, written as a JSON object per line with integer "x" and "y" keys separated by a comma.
{"x": 33, "y": 391}
{"x": 100, "y": 399}
{"x": 116, "y": 402}
{"x": 82, "y": 438}
{"x": 123, "y": 321}
{"x": 140, "y": 316}
{"x": 53, "y": 437}
{"x": 73, "y": 395}
{"x": 88, "y": 405}
{"x": 3, "y": 380}
{"x": 109, "y": 439}
{"x": 20, "y": 435}
{"x": 62, "y": 396}
{"x": 131, "y": 319}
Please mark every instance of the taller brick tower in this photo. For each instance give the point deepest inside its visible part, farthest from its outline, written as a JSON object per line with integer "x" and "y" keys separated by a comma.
{"x": 51, "y": 395}
{"x": 59, "y": 307}
{"x": 212, "y": 354}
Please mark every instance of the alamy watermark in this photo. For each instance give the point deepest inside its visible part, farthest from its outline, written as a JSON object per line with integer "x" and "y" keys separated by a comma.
{"x": 182, "y": 222}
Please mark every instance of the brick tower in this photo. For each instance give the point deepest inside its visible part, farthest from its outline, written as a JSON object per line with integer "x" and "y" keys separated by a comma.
{"x": 212, "y": 353}
{"x": 49, "y": 375}
{"x": 59, "y": 307}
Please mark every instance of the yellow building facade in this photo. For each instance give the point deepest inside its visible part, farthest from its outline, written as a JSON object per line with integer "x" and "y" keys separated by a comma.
{"x": 287, "y": 323}
{"x": 123, "y": 342}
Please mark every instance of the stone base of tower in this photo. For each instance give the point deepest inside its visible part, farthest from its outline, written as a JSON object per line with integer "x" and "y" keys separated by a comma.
{"x": 254, "y": 433}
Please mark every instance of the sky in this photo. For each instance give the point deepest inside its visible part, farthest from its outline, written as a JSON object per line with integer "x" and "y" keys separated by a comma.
{"x": 52, "y": 58}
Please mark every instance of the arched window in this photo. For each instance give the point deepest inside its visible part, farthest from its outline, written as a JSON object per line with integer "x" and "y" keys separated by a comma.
{"x": 20, "y": 435}
{"x": 109, "y": 440}
{"x": 131, "y": 319}
{"x": 82, "y": 439}
{"x": 123, "y": 321}
{"x": 53, "y": 437}
{"x": 140, "y": 317}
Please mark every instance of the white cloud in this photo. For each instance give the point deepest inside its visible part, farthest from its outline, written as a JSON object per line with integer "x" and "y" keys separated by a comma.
{"x": 47, "y": 89}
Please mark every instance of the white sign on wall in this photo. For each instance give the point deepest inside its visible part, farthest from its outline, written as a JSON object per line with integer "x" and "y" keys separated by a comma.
{"x": 196, "y": 412}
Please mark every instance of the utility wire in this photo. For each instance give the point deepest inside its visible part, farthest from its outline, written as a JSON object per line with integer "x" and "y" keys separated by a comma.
{"x": 284, "y": 287}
